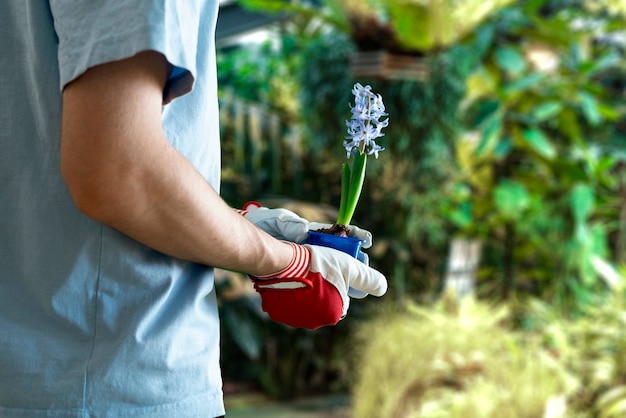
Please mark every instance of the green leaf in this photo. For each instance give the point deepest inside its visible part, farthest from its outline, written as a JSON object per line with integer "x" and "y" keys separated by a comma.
{"x": 503, "y": 147}
{"x": 490, "y": 137}
{"x": 539, "y": 142}
{"x": 268, "y": 6}
{"x": 605, "y": 165}
{"x": 582, "y": 201}
{"x": 523, "y": 83}
{"x": 483, "y": 112}
{"x": 546, "y": 110}
{"x": 431, "y": 25}
{"x": 484, "y": 36}
{"x": 345, "y": 191}
{"x": 510, "y": 60}
{"x": 604, "y": 63}
{"x": 609, "y": 112}
{"x": 569, "y": 171}
{"x": 568, "y": 122}
{"x": 511, "y": 199}
{"x": 461, "y": 216}
{"x": 357, "y": 176}
{"x": 419, "y": 37}
{"x": 590, "y": 108}
{"x": 480, "y": 84}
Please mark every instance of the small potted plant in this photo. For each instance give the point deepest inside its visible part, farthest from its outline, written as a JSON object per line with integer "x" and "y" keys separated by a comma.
{"x": 364, "y": 128}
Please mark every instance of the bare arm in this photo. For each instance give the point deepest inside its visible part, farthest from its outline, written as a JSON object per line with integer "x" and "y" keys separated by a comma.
{"x": 121, "y": 171}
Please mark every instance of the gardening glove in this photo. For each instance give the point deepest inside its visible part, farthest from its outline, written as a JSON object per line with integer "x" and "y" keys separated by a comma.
{"x": 285, "y": 225}
{"x": 312, "y": 291}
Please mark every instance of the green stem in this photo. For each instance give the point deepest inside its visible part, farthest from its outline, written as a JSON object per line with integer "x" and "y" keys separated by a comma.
{"x": 345, "y": 190}
{"x": 357, "y": 177}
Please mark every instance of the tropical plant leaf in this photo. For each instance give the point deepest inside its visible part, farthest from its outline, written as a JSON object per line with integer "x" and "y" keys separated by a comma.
{"x": 522, "y": 84}
{"x": 539, "y": 142}
{"x": 604, "y": 62}
{"x": 504, "y": 146}
{"x": 441, "y": 22}
{"x": 490, "y": 136}
{"x": 582, "y": 201}
{"x": 510, "y": 60}
{"x": 412, "y": 36}
{"x": 511, "y": 199}
{"x": 546, "y": 110}
{"x": 480, "y": 84}
{"x": 590, "y": 108}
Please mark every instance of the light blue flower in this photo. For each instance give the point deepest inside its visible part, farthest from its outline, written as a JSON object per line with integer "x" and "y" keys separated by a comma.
{"x": 365, "y": 125}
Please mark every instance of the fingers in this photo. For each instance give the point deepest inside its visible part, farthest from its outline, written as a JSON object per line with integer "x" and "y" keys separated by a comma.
{"x": 280, "y": 223}
{"x": 363, "y": 234}
{"x": 368, "y": 280}
{"x": 356, "y": 294}
{"x": 355, "y": 232}
{"x": 352, "y": 292}
{"x": 345, "y": 271}
{"x": 287, "y": 225}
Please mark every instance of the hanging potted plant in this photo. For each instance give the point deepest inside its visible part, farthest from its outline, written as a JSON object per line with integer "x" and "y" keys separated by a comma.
{"x": 396, "y": 39}
{"x": 363, "y": 128}
{"x": 379, "y": 53}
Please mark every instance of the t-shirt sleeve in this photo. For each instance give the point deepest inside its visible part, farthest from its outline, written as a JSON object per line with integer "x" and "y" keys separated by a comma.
{"x": 96, "y": 32}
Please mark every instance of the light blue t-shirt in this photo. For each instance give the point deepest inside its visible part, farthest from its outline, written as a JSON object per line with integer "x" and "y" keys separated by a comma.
{"x": 92, "y": 323}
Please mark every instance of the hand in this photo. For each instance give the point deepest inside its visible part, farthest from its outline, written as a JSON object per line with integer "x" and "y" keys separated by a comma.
{"x": 312, "y": 291}
{"x": 285, "y": 225}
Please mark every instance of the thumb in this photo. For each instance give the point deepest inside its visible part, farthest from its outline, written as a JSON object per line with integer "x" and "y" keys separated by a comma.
{"x": 338, "y": 266}
{"x": 368, "y": 280}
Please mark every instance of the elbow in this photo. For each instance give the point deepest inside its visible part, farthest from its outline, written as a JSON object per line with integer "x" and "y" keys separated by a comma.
{"x": 92, "y": 192}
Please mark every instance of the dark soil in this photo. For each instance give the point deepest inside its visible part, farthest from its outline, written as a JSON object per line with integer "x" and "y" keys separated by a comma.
{"x": 338, "y": 230}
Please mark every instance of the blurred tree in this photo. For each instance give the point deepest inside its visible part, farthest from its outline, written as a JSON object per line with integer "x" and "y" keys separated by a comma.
{"x": 538, "y": 159}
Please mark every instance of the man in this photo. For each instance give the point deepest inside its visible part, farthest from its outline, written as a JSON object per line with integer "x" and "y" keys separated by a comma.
{"x": 110, "y": 215}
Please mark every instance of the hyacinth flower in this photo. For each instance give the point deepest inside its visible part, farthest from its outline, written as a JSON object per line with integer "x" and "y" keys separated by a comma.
{"x": 364, "y": 128}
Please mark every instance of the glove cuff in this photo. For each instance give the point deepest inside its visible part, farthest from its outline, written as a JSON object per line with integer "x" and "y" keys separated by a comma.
{"x": 298, "y": 267}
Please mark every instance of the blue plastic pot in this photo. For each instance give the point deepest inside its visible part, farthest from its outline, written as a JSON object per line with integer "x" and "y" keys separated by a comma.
{"x": 348, "y": 245}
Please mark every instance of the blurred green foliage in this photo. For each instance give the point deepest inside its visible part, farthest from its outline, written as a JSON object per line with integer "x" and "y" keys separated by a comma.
{"x": 455, "y": 359}
{"x": 539, "y": 165}
{"x": 462, "y": 358}
{"x": 517, "y": 138}
{"x": 592, "y": 347}
{"x": 512, "y": 139}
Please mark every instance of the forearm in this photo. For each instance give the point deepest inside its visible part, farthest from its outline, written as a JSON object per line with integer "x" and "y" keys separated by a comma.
{"x": 170, "y": 207}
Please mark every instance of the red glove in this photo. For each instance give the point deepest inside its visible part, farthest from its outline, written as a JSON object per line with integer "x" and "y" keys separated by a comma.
{"x": 313, "y": 291}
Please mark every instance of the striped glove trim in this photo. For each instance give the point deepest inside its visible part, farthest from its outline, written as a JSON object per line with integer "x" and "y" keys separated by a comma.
{"x": 299, "y": 266}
